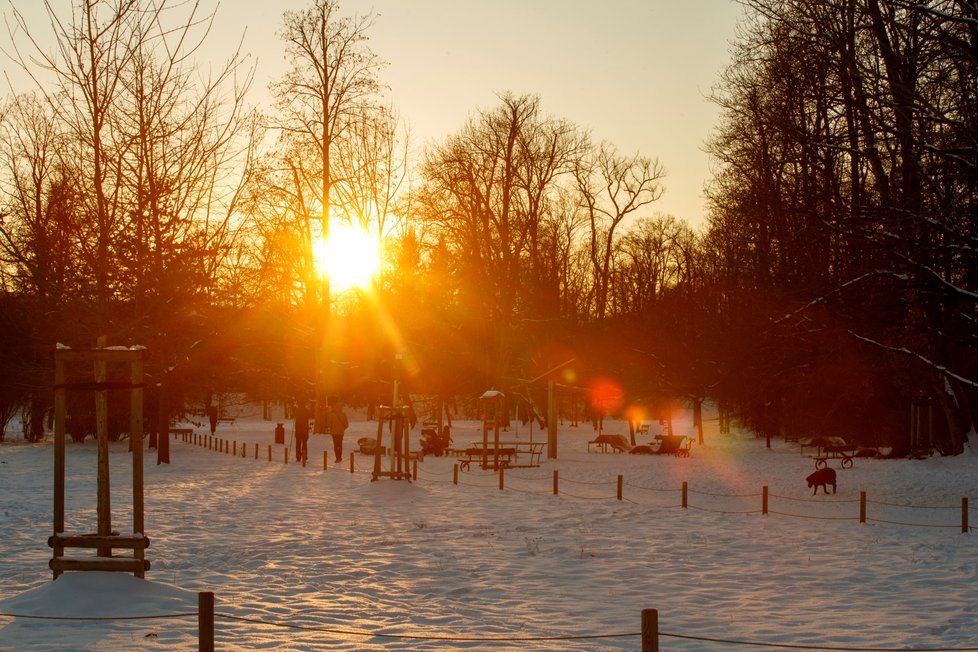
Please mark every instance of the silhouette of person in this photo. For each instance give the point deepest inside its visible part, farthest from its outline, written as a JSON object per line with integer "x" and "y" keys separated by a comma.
{"x": 212, "y": 417}
{"x": 301, "y": 432}
{"x": 338, "y": 423}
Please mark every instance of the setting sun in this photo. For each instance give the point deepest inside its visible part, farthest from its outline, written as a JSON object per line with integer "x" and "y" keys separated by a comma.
{"x": 350, "y": 257}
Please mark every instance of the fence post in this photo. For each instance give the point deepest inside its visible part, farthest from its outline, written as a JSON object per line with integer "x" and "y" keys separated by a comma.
{"x": 325, "y": 456}
{"x": 205, "y": 620}
{"x": 351, "y": 464}
{"x": 502, "y": 472}
{"x": 764, "y": 499}
{"x": 286, "y": 455}
{"x": 269, "y": 452}
{"x": 650, "y": 630}
{"x": 964, "y": 515}
{"x": 619, "y": 485}
{"x": 415, "y": 474}
{"x": 555, "y": 482}
{"x": 685, "y": 494}
{"x": 235, "y": 447}
{"x": 256, "y": 450}
{"x": 455, "y": 474}
{"x": 862, "y": 506}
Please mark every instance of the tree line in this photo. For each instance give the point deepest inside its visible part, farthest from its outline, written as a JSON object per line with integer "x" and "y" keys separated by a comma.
{"x": 832, "y": 288}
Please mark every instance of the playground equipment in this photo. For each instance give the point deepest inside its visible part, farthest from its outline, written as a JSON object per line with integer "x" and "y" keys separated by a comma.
{"x": 399, "y": 451}
{"x": 493, "y": 406}
{"x": 103, "y": 540}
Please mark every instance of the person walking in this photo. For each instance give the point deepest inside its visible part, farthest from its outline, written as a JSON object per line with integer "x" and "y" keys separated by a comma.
{"x": 338, "y": 423}
{"x": 212, "y": 417}
{"x": 301, "y": 432}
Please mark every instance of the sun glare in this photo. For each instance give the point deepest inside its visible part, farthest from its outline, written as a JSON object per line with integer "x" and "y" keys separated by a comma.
{"x": 349, "y": 258}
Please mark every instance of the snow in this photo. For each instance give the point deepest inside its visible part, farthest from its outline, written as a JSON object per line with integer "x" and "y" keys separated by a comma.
{"x": 305, "y": 559}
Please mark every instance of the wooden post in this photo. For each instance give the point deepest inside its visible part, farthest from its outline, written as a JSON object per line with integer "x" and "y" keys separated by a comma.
{"x": 352, "y": 466}
{"x": 502, "y": 473}
{"x": 136, "y": 443}
{"x": 650, "y": 630}
{"x": 455, "y": 474}
{"x": 286, "y": 455}
{"x": 235, "y": 447}
{"x": 205, "y": 620}
{"x": 256, "y": 450}
{"x": 555, "y": 482}
{"x": 269, "y": 452}
{"x": 620, "y": 477}
{"x": 551, "y": 423}
{"x": 59, "y": 454}
{"x": 862, "y": 506}
{"x": 685, "y": 494}
{"x": 104, "y": 509}
{"x": 325, "y": 457}
{"x": 414, "y": 475}
{"x": 964, "y": 515}
{"x": 764, "y": 499}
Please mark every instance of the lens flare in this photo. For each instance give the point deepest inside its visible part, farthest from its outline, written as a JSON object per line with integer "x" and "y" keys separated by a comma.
{"x": 349, "y": 258}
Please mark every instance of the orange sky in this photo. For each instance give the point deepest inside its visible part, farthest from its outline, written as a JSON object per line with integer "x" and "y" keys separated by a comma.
{"x": 634, "y": 72}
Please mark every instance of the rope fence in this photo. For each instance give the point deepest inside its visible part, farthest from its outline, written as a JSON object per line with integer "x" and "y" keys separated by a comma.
{"x": 596, "y": 490}
{"x": 649, "y": 634}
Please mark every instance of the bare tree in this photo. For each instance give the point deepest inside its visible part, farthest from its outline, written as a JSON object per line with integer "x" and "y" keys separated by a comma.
{"x": 330, "y": 87}
{"x": 613, "y": 187}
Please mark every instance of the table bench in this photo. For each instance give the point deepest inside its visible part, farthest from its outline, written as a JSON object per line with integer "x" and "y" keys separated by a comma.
{"x": 470, "y": 455}
{"x": 534, "y": 449}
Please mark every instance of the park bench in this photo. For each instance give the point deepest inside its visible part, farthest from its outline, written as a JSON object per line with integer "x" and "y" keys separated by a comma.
{"x": 678, "y": 445}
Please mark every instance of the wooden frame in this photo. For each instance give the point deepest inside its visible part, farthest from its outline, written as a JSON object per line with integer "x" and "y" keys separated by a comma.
{"x": 104, "y": 539}
{"x": 400, "y": 448}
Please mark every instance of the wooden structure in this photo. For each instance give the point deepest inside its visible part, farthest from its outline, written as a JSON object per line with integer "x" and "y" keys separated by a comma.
{"x": 104, "y": 539}
{"x": 399, "y": 451}
{"x": 493, "y": 405}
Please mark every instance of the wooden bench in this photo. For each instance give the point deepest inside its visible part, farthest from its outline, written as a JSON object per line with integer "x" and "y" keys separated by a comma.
{"x": 678, "y": 445}
{"x": 127, "y": 564}
{"x": 618, "y": 443}
{"x": 470, "y": 455}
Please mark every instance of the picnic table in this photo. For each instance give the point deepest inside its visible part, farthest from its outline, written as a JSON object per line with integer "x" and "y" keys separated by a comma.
{"x": 618, "y": 443}
{"x": 534, "y": 449}
{"x": 487, "y": 457}
{"x": 828, "y": 448}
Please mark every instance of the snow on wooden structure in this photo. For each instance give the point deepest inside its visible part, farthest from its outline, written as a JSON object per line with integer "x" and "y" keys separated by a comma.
{"x": 104, "y": 540}
{"x": 399, "y": 452}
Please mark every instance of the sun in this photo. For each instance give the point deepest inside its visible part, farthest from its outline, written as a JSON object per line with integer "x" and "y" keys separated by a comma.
{"x": 349, "y": 258}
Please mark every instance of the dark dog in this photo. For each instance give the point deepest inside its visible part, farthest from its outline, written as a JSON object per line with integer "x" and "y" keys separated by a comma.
{"x": 822, "y": 478}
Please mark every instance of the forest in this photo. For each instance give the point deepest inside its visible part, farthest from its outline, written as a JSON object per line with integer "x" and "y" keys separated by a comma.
{"x": 831, "y": 290}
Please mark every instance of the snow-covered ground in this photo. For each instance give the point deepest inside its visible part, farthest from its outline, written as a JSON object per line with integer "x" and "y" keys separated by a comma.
{"x": 304, "y": 559}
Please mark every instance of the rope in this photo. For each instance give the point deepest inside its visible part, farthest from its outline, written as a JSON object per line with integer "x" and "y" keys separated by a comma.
{"x": 704, "y": 493}
{"x": 567, "y": 493}
{"x": 353, "y": 632}
{"x": 572, "y": 481}
{"x": 495, "y": 639}
{"x": 848, "y": 648}
{"x": 33, "y": 617}
{"x": 879, "y": 520}
{"x": 817, "y": 518}
{"x": 724, "y": 511}
{"x": 638, "y": 486}
{"x": 879, "y": 502}
{"x": 812, "y": 500}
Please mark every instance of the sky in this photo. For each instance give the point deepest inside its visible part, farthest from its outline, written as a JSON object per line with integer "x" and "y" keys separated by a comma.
{"x": 302, "y": 558}
{"x": 635, "y": 73}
